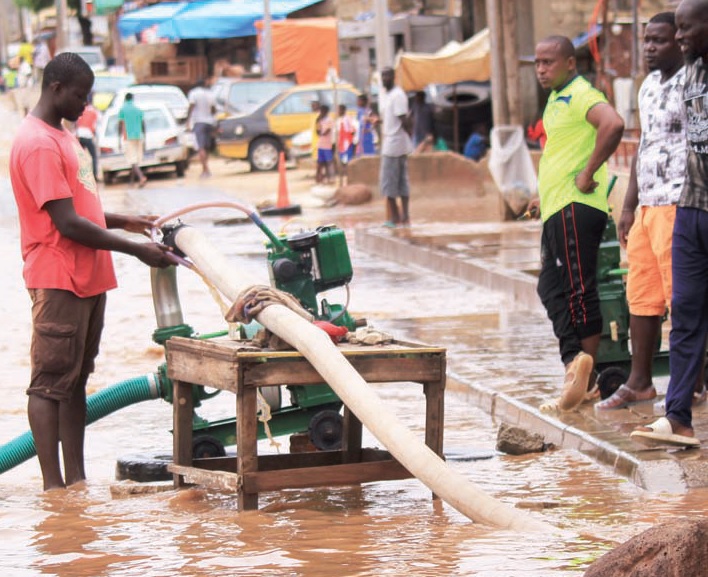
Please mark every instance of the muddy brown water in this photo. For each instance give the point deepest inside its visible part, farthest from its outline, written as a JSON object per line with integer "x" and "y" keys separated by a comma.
{"x": 387, "y": 528}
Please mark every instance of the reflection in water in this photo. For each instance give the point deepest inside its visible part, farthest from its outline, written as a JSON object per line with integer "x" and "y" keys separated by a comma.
{"x": 388, "y": 528}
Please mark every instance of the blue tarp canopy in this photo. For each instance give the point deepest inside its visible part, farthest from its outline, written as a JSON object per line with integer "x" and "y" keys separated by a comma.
{"x": 134, "y": 22}
{"x": 208, "y": 18}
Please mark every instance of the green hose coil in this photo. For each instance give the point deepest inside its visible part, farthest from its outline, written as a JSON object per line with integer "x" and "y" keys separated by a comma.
{"x": 98, "y": 405}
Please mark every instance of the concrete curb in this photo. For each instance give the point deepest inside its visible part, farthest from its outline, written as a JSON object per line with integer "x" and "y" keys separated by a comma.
{"x": 653, "y": 470}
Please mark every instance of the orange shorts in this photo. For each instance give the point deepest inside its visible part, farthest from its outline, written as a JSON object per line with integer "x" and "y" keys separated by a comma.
{"x": 649, "y": 257}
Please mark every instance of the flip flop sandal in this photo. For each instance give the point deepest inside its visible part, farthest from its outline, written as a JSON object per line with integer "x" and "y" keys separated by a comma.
{"x": 661, "y": 434}
{"x": 575, "y": 387}
{"x": 624, "y": 397}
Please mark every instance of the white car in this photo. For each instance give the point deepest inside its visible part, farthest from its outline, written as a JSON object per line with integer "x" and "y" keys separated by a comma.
{"x": 148, "y": 94}
{"x": 163, "y": 143}
{"x": 91, "y": 54}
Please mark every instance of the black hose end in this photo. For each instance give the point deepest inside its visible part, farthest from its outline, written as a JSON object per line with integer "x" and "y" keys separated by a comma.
{"x": 169, "y": 233}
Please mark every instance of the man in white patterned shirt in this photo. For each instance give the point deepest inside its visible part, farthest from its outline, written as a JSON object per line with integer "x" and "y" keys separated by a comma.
{"x": 656, "y": 181}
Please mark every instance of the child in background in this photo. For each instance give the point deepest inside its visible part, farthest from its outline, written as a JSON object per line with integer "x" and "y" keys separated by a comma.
{"x": 346, "y": 133}
{"x": 324, "y": 145}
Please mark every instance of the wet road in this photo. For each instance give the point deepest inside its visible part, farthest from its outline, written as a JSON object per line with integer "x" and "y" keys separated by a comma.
{"x": 387, "y": 528}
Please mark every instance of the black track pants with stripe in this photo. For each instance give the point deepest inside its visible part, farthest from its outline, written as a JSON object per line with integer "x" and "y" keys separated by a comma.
{"x": 567, "y": 284}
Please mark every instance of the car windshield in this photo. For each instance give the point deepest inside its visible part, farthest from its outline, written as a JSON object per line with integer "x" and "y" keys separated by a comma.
{"x": 155, "y": 119}
{"x": 91, "y": 58}
{"x": 170, "y": 99}
{"x": 112, "y": 84}
{"x": 247, "y": 96}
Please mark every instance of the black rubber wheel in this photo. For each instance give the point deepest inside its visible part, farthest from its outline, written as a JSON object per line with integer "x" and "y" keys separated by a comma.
{"x": 144, "y": 468}
{"x": 610, "y": 379}
{"x": 326, "y": 430}
{"x": 108, "y": 177}
{"x": 206, "y": 446}
{"x": 263, "y": 154}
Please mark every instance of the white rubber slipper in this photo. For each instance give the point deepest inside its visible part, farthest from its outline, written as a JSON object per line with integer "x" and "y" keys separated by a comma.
{"x": 661, "y": 434}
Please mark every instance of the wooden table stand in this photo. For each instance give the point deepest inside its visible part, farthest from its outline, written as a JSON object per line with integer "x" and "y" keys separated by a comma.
{"x": 232, "y": 366}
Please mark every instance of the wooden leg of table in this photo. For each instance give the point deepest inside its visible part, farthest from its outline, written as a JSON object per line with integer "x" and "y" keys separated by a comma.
{"x": 182, "y": 409}
{"x": 246, "y": 441}
{"x": 351, "y": 438}
{"x": 435, "y": 416}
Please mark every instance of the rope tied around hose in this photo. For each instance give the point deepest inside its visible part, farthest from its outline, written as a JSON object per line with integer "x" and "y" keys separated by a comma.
{"x": 252, "y": 300}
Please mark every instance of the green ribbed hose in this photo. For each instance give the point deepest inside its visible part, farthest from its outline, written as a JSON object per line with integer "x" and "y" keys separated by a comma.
{"x": 98, "y": 405}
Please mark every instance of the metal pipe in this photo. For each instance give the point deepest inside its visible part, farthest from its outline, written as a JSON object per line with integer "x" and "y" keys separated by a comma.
{"x": 165, "y": 297}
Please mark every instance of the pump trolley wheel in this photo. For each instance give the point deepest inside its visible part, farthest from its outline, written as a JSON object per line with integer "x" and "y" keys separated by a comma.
{"x": 206, "y": 446}
{"x": 326, "y": 430}
{"x": 610, "y": 379}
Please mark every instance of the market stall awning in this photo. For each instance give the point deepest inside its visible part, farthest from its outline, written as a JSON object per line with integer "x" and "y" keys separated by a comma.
{"x": 454, "y": 62}
{"x": 209, "y": 18}
{"x": 138, "y": 20}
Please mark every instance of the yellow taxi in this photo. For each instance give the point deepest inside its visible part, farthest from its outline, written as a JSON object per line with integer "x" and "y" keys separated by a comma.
{"x": 106, "y": 85}
{"x": 261, "y": 135}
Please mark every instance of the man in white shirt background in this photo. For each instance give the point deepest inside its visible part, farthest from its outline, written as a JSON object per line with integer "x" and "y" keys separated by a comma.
{"x": 395, "y": 148}
{"x": 202, "y": 106}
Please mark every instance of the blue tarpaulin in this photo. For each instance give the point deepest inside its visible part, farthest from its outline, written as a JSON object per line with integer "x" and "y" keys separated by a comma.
{"x": 138, "y": 20}
{"x": 207, "y": 18}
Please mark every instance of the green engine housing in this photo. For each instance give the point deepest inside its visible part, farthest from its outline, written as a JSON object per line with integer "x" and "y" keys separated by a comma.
{"x": 308, "y": 263}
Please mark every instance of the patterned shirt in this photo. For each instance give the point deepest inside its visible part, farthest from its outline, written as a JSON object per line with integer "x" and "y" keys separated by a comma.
{"x": 661, "y": 158}
{"x": 695, "y": 96}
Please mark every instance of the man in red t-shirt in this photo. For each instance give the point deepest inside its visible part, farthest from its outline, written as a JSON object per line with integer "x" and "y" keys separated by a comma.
{"x": 68, "y": 266}
{"x": 86, "y": 133}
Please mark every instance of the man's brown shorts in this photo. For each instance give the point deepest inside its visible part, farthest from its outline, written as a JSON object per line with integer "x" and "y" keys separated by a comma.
{"x": 65, "y": 339}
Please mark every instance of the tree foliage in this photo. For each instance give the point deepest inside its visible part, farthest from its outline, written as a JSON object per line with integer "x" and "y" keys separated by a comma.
{"x": 37, "y": 5}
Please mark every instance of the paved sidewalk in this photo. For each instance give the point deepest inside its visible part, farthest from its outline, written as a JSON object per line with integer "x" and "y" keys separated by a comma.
{"x": 503, "y": 257}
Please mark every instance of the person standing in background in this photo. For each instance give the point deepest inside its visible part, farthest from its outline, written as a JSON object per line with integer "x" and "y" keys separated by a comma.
{"x": 365, "y": 119}
{"x": 656, "y": 179}
{"x": 86, "y": 133}
{"x": 346, "y": 133}
{"x": 202, "y": 107}
{"x": 689, "y": 255}
{"x": 583, "y": 131}
{"x": 131, "y": 127}
{"x": 395, "y": 147}
{"x": 325, "y": 129}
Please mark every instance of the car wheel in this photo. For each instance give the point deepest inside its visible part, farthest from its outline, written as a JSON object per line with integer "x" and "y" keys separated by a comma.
{"x": 108, "y": 177}
{"x": 181, "y": 168}
{"x": 263, "y": 154}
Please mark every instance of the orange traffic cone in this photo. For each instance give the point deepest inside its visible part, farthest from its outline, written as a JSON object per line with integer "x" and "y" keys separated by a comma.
{"x": 282, "y": 205}
{"x": 283, "y": 197}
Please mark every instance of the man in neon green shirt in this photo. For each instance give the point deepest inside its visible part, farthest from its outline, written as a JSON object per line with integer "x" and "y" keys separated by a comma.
{"x": 583, "y": 131}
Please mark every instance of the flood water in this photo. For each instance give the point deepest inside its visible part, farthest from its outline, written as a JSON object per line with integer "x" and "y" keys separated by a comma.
{"x": 386, "y": 528}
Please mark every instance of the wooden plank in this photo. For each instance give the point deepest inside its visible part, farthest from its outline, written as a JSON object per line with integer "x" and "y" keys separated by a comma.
{"x": 228, "y": 463}
{"x": 219, "y": 373}
{"x": 374, "y": 370}
{"x": 211, "y": 479}
{"x": 345, "y": 474}
{"x": 182, "y": 409}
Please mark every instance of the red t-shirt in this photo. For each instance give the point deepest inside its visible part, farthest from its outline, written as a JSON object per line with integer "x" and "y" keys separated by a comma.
{"x": 50, "y": 164}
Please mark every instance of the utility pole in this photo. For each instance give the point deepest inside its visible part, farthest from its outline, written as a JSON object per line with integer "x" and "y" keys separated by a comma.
{"x": 267, "y": 39}
{"x": 502, "y": 24}
{"x": 61, "y": 25}
{"x": 383, "y": 39}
